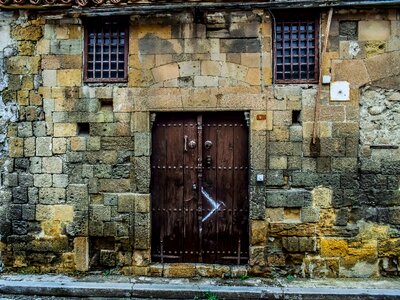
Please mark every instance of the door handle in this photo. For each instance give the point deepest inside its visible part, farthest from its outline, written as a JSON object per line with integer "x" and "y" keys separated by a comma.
{"x": 194, "y": 186}
{"x": 185, "y": 138}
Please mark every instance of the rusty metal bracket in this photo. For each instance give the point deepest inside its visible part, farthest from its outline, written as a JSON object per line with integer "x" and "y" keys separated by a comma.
{"x": 318, "y": 96}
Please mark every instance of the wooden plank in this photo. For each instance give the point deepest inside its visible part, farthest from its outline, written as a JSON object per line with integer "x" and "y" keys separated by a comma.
{"x": 209, "y": 223}
{"x": 191, "y": 243}
{"x": 158, "y": 159}
{"x": 240, "y": 184}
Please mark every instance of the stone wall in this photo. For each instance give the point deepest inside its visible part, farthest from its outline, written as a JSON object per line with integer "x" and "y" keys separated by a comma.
{"x": 76, "y": 193}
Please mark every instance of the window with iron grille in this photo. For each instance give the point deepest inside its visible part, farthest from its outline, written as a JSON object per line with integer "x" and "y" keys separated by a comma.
{"x": 296, "y": 48}
{"x": 106, "y": 50}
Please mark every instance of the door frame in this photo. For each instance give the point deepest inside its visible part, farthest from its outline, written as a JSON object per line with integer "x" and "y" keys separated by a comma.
{"x": 199, "y": 119}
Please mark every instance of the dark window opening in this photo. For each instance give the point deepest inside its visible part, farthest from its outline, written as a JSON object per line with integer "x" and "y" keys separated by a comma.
{"x": 296, "y": 48}
{"x": 83, "y": 129}
{"x": 296, "y": 116}
{"x": 106, "y": 50}
{"x": 106, "y": 104}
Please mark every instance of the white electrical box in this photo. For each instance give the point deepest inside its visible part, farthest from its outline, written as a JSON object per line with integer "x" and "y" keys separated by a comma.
{"x": 340, "y": 91}
{"x": 260, "y": 177}
{"x": 326, "y": 79}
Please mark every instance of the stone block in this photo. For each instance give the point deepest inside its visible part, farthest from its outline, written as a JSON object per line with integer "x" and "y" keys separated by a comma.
{"x": 274, "y": 214}
{"x": 43, "y": 180}
{"x": 23, "y": 65}
{"x": 5, "y": 197}
{"x": 249, "y": 45}
{"x": 10, "y": 180}
{"x": 126, "y": 202}
{"x": 63, "y": 213}
{"x": 205, "y": 270}
{"x": 142, "y": 237}
{"x": 344, "y": 164}
{"x": 189, "y": 68}
{"x": 16, "y": 147}
{"x": 52, "y": 165}
{"x": 140, "y": 122}
{"x": 39, "y": 129}
{"x": 25, "y": 129}
{"x": 65, "y": 129}
{"x": 333, "y": 247}
{"x": 81, "y": 249}
{"x": 44, "y": 146}
{"x": 166, "y": 72}
{"x": 142, "y": 143}
{"x": 282, "y": 117}
{"x": 276, "y": 198}
{"x": 60, "y": 180}
{"x": 310, "y": 214}
{"x": 93, "y": 143}
{"x": 51, "y": 195}
{"x": 291, "y": 244}
{"x": 19, "y": 195}
{"x": 258, "y": 232}
{"x": 307, "y": 244}
{"x": 373, "y": 30}
{"x": 71, "y": 77}
{"x": 78, "y": 195}
{"x": 28, "y": 212}
{"x": 333, "y": 147}
{"x": 102, "y": 171}
{"x": 100, "y": 213}
{"x": 251, "y": 60}
{"x": 180, "y": 270}
{"x": 78, "y": 143}
{"x": 29, "y": 147}
{"x": 25, "y": 180}
{"x": 275, "y": 178}
{"x": 56, "y": 62}
{"x": 357, "y": 69}
{"x": 210, "y": 68}
{"x": 346, "y": 129}
{"x": 65, "y": 47}
{"x": 384, "y": 65}
{"x": 205, "y": 81}
{"x": 59, "y": 145}
{"x": 142, "y": 203}
{"x": 27, "y": 33}
{"x": 278, "y": 162}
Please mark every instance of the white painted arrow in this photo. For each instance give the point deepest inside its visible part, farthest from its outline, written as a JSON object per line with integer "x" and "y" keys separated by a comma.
{"x": 214, "y": 204}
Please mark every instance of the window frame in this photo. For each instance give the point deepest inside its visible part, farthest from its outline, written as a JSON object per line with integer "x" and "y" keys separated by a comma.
{"x": 96, "y": 23}
{"x": 281, "y": 17}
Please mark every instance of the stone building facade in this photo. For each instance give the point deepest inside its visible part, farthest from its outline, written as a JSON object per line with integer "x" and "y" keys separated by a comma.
{"x": 75, "y": 154}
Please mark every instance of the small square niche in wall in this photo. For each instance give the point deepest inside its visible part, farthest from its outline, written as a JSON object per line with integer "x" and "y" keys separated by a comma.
{"x": 340, "y": 91}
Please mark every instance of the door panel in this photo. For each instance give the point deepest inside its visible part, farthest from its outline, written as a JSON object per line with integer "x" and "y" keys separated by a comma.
{"x": 199, "y": 188}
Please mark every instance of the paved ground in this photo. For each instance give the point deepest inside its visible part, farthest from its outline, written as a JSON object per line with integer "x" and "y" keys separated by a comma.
{"x": 105, "y": 286}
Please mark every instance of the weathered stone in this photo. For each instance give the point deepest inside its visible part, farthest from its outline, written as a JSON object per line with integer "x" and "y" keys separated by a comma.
{"x": 20, "y": 195}
{"x": 44, "y": 146}
{"x": 375, "y": 30}
{"x": 81, "y": 249}
{"x": 52, "y": 165}
{"x": 333, "y": 247}
{"x": 29, "y": 33}
{"x": 258, "y": 233}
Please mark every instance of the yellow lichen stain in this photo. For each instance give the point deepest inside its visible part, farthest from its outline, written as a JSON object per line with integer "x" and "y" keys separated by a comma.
{"x": 67, "y": 262}
{"x": 327, "y": 218}
{"x": 390, "y": 247}
{"x": 333, "y": 247}
{"x": 372, "y": 231}
{"x": 51, "y": 228}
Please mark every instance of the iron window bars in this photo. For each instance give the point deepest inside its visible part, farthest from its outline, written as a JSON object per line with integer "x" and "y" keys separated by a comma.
{"x": 106, "y": 50}
{"x": 296, "y": 48}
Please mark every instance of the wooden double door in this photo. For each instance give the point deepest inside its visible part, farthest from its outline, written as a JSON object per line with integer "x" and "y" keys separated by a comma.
{"x": 199, "y": 188}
